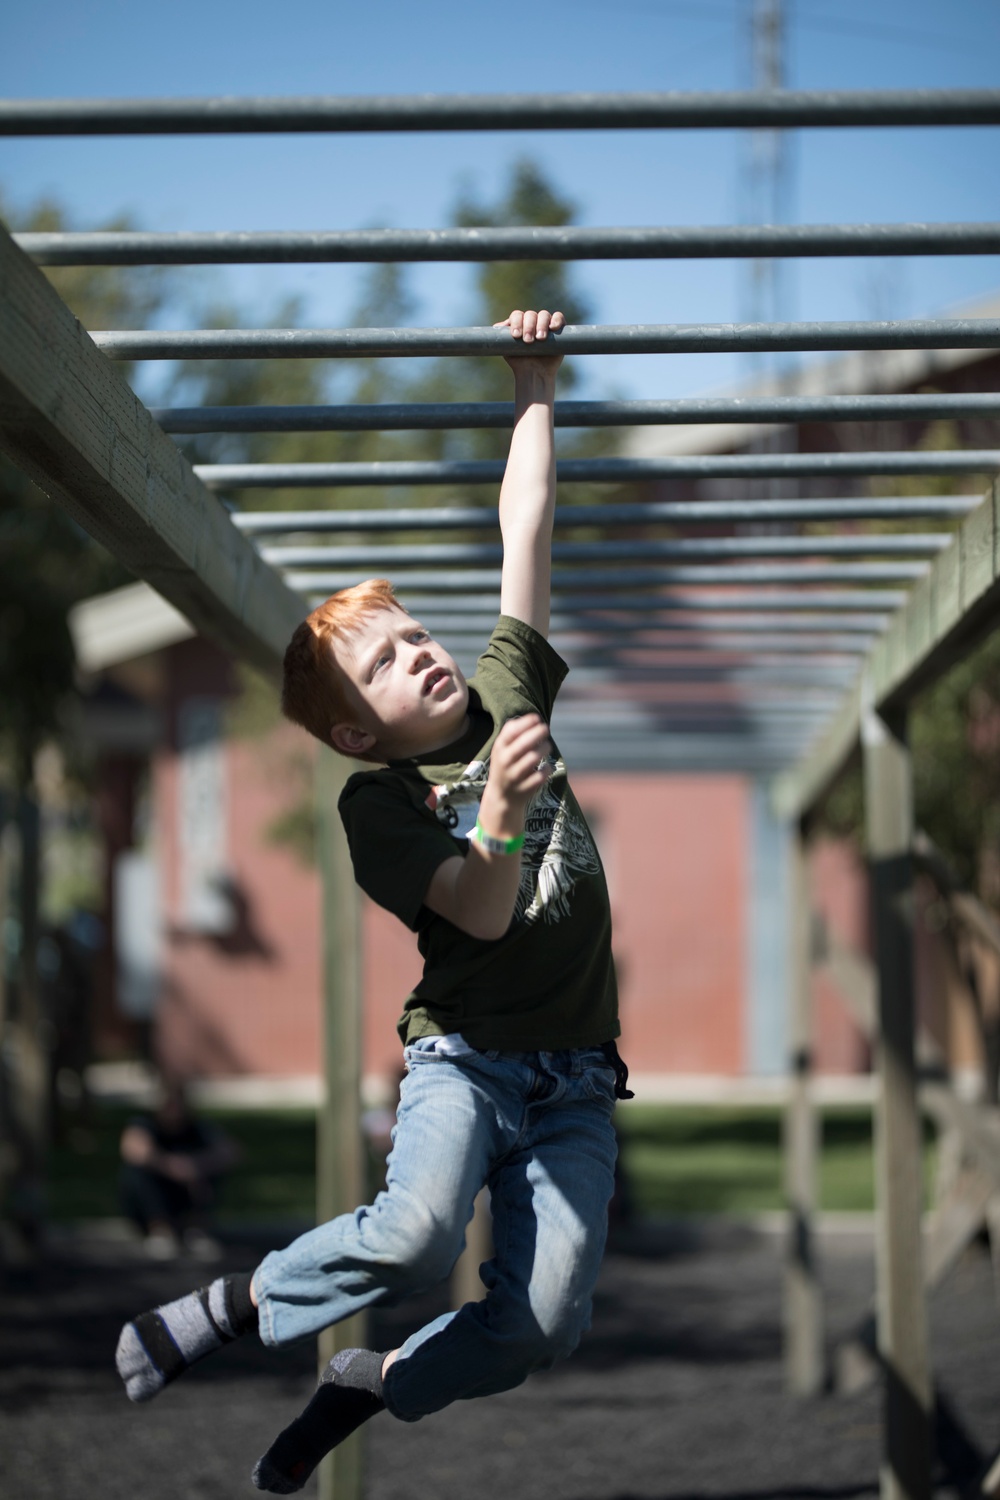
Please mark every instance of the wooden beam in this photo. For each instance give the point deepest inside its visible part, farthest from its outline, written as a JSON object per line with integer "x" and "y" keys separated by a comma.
{"x": 340, "y": 1173}
{"x": 966, "y": 908}
{"x": 945, "y": 615}
{"x": 901, "y": 1307}
{"x": 70, "y": 422}
{"x": 977, "y": 1124}
{"x": 803, "y": 1304}
{"x": 957, "y": 1219}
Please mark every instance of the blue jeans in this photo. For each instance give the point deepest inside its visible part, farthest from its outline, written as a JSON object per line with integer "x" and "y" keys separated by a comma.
{"x": 536, "y": 1127}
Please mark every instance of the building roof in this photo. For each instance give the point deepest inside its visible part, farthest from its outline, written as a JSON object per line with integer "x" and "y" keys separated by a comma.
{"x": 126, "y": 623}
{"x": 868, "y": 372}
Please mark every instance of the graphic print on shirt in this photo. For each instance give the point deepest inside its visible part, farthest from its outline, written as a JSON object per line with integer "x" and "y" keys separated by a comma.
{"x": 558, "y": 846}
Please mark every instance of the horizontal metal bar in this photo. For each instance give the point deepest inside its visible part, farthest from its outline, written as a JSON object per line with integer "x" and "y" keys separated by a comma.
{"x": 772, "y": 667}
{"x": 687, "y": 716}
{"x": 595, "y": 470}
{"x": 678, "y": 710}
{"x": 638, "y": 338}
{"x": 678, "y": 758}
{"x": 638, "y": 578}
{"x": 723, "y": 757}
{"x": 714, "y": 757}
{"x": 767, "y": 730}
{"x": 570, "y": 111}
{"x": 626, "y": 717}
{"x": 559, "y": 242}
{"x": 700, "y": 750}
{"x": 697, "y": 512}
{"x": 572, "y": 640}
{"x": 448, "y": 554}
{"x": 867, "y": 606}
{"x": 669, "y": 632}
{"x": 432, "y": 416}
{"x": 743, "y": 711}
{"x": 802, "y": 674}
{"x": 746, "y": 703}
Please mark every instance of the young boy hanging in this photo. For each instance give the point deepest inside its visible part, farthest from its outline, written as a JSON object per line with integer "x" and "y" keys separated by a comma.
{"x": 465, "y": 828}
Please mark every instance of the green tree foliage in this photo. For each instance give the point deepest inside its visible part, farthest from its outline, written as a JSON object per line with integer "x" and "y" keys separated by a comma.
{"x": 527, "y": 198}
{"x": 498, "y": 287}
{"x": 954, "y": 727}
{"x": 955, "y": 738}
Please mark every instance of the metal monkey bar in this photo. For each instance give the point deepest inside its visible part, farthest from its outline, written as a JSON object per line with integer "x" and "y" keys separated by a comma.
{"x": 722, "y": 665}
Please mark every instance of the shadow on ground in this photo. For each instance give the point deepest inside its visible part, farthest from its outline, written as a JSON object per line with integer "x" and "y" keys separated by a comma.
{"x": 676, "y": 1394}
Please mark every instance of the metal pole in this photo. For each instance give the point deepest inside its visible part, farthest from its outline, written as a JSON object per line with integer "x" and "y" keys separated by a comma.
{"x": 565, "y": 242}
{"x": 698, "y": 512}
{"x": 622, "y": 111}
{"x": 660, "y": 641}
{"x": 638, "y": 578}
{"x": 857, "y": 630}
{"x": 388, "y": 558}
{"x": 426, "y": 416}
{"x": 865, "y": 607}
{"x": 597, "y": 470}
{"x": 637, "y": 338}
{"x": 801, "y": 675}
{"x": 902, "y": 1315}
{"x": 804, "y": 1370}
{"x": 340, "y": 1181}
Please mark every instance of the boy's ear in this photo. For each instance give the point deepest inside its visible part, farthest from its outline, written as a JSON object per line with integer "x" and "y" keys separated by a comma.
{"x": 350, "y": 740}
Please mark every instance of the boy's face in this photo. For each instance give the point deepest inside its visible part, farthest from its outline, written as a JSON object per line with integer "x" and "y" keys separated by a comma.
{"x": 406, "y": 694}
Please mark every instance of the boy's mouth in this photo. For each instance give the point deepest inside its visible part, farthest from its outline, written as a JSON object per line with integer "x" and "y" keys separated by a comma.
{"x": 438, "y": 674}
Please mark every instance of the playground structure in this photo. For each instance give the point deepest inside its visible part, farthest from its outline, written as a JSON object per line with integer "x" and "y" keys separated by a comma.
{"x": 888, "y": 612}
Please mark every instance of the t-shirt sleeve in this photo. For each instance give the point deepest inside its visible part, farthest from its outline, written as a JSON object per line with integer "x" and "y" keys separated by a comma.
{"x": 519, "y": 650}
{"x": 395, "y": 845}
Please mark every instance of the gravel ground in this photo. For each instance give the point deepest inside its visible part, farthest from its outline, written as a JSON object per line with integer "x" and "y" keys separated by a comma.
{"x": 676, "y": 1394}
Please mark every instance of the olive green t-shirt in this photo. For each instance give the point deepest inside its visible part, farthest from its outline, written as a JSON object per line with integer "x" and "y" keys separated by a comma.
{"x": 549, "y": 982}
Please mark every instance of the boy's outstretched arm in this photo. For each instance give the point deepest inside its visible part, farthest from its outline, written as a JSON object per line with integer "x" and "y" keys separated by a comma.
{"x": 478, "y": 892}
{"x": 528, "y": 492}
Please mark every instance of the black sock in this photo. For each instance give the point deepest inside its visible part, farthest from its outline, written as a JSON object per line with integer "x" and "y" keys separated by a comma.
{"x": 350, "y": 1391}
{"x": 158, "y": 1346}
{"x": 239, "y": 1304}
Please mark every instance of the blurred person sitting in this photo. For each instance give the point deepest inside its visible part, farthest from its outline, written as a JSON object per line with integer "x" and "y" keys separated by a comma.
{"x": 172, "y": 1163}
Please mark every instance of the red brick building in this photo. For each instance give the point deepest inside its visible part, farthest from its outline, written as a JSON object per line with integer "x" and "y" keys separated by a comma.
{"x": 234, "y": 939}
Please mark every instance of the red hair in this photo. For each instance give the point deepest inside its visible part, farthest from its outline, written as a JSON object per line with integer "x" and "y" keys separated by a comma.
{"x": 312, "y": 692}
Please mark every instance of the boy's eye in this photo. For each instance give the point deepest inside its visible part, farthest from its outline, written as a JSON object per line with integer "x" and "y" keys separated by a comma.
{"x": 381, "y": 662}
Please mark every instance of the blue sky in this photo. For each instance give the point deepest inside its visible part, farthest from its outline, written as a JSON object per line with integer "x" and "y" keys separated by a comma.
{"x": 110, "y": 48}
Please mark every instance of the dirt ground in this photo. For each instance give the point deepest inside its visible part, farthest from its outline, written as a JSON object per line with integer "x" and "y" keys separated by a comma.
{"x": 676, "y": 1394}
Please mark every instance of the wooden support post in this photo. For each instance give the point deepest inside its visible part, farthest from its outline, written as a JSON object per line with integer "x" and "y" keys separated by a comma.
{"x": 340, "y": 1177}
{"x": 803, "y": 1307}
{"x": 32, "y": 1044}
{"x": 901, "y": 1306}
{"x": 8, "y": 1149}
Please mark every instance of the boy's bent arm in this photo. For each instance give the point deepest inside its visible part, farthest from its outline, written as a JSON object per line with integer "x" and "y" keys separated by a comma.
{"x": 528, "y": 492}
{"x": 477, "y": 892}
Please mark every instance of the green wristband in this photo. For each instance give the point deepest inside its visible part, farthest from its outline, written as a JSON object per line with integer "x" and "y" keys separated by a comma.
{"x": 497, "y": 846}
